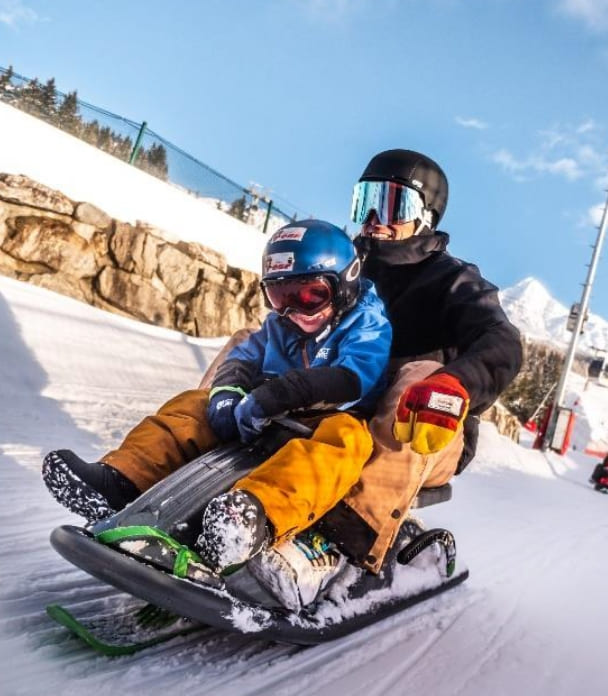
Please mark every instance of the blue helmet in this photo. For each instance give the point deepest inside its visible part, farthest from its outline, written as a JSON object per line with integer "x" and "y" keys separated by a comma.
{"x": 314, "y": 248}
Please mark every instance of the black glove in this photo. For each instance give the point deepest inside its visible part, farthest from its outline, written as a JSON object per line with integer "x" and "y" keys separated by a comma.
{"x": 250, "y": 418}
{"x": 220, "y": 412}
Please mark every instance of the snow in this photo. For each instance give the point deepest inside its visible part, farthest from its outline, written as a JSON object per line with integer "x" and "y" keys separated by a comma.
{"x": 530, "y": 619}
{"x": 84, "y": 173}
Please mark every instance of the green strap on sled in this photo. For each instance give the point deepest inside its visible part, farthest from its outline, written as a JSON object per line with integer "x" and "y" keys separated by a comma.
{"x": 183, "y": 557}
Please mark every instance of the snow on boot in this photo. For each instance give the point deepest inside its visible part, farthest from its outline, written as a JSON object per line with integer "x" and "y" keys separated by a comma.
{"x": 234, "y": 529}
{"x": 91, "y": 489}
{"x": 298, "y": 570}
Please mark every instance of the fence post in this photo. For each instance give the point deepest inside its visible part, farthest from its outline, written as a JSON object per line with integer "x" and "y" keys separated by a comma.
{"x": 140, "y": 137}
{"x": 267, "y": 216}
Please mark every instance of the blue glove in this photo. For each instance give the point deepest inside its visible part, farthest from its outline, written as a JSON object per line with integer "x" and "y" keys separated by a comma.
{"x": 220, "y": 413}
{"x": 250, "y": 418}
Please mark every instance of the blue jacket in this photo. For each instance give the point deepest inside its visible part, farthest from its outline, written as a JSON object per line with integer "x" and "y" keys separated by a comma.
{"x": 360, "y": 343}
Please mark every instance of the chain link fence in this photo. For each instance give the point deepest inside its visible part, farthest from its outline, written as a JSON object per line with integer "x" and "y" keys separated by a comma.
{"x": 135, "y": 143}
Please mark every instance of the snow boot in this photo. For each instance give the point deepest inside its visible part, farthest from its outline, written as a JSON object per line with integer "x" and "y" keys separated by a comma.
{"x": 234, "y": 529}
{"x": 298, "y": 570}
{"x": 91, "y": 489}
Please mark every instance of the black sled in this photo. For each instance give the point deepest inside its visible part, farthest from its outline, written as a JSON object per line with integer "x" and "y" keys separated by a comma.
{"x": 145, "y": 550}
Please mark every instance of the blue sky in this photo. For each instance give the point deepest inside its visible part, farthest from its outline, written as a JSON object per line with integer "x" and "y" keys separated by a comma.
{"x": 509, "y": 96}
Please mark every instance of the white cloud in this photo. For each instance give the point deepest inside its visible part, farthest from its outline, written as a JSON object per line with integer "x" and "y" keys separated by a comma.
{"x": 507, "y": 161}
{"x": 14, "y": 12}
{"x": 572, "y": 151}
{"x": 552, "y": 137}
{"x": 602, "y": 182}
{"x": 471, "y": 123}
{"x": 594, "y": 13}
{"x": 564, "y": 166}
{"x": 586, "y": 126}
{"x": 594, "y": 215}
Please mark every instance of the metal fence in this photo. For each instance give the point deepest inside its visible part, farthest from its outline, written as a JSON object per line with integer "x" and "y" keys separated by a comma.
{"x": 137, "y": 144}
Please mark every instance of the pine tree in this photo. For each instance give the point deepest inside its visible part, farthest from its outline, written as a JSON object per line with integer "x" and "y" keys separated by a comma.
{"x": 238, "y": 208}
{"x": 30, "y": 98}
{"x": 157, "y": 161}
{"x": 48, "y": 101}
{"x": 6, "y": 86}
{"x": 68, "y": 117}
{"x": 104, "y": 139}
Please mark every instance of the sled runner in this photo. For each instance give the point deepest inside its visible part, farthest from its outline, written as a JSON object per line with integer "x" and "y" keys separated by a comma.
{"x": 146, "y": 551}
{"x": 130, "y": 629}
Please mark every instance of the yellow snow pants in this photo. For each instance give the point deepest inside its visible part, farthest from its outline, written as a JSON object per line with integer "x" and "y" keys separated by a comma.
{"x": 298, "y": 484}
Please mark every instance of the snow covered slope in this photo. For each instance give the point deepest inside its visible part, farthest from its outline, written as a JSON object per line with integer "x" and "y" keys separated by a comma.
{"x": 530, "y": 620}
{"x": 531, "y": 308}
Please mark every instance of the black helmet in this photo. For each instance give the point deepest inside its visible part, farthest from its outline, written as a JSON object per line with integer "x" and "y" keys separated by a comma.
{"x": 414, "y": 170}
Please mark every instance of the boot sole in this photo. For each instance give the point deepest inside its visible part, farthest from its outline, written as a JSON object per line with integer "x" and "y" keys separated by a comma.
{"x": 72, "y": 492}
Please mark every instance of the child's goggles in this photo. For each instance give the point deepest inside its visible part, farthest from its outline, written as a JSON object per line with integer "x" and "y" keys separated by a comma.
{"x": 393, "y": 203}
{"x": 307, "y": 295}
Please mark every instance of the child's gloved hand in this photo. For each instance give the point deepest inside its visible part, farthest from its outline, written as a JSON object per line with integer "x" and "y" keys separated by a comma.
{"x": 430, "y": 413}
{"x": 250, "y": 418}
{"x": 220, "y": 412}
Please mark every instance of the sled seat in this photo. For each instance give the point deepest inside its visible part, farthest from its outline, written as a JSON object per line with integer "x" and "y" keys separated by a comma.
{"x": 432, "y": 496}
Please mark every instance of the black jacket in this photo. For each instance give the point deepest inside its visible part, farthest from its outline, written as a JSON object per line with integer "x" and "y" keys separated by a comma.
{"x": 441, "y": 307}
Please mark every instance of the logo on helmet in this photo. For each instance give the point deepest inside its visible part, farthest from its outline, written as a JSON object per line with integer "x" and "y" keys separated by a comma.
{"x": 352, "y": 273}
{"x": 278, "y": 263}
{"x": 293, "y": 234}
{"x": 328, "y": 263}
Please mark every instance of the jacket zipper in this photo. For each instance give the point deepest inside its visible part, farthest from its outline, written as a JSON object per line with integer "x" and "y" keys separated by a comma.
{"x": 305, "y": 359}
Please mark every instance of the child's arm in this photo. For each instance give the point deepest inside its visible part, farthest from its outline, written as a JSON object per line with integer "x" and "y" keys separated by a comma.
{"x": 234, "y": 379}
{"x": 313, "y": 387}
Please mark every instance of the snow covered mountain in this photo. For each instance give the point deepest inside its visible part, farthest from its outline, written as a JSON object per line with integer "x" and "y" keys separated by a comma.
{"x": 538, "y": 315}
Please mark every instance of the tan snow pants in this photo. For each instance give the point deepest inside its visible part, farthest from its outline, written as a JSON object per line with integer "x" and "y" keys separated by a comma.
{"x": 394, "y": 474}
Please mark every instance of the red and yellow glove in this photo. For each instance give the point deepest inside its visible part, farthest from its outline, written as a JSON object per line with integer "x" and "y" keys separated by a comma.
{"x": 430, "y": 413}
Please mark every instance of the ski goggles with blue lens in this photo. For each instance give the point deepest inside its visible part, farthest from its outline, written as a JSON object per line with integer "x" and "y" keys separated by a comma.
{"x": 393, "y": 203}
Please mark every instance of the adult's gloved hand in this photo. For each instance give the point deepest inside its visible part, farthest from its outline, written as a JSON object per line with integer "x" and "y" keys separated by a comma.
{"x": 250, "y": 418}
{"x": 431, "y": 412}
{"x": 220, "y": 412}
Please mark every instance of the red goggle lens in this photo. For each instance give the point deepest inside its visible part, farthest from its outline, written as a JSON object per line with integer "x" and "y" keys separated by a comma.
{"x": 306, "y": 296}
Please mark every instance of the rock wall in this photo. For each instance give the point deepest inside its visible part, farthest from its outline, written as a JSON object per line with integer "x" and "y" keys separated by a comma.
{"x": 78, "y": 250}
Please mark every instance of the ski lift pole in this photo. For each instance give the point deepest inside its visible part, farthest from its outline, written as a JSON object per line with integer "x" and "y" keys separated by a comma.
{"x": 561, "y": 386}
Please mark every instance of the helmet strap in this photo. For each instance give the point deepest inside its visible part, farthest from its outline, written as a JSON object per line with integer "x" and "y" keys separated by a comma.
{"x": 425, "y": 221}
